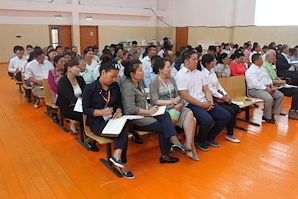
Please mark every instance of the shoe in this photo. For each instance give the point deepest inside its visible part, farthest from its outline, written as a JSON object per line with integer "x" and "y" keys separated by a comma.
{"x": 127, "y": 175}
{"x": 55, "y": 118}
{"x": 270, "y": 121}
{"x": 191, "y": 156}
{"x": 202, "y": 146}
{"x": 92, "y": 146}
{"x": 36, "y": 105}
{"x": 73, "y": 129}
{"x": 213, "y": 143}
{"x": 136, "y": 138}
{"x": 232, "y": 138}
{"x": 293, "y": 115}
{"x": 179, "y": 148}
{"x": 283, "y": 114}
{"x": 168, "y": 159}
{"x": 116, "y": 162}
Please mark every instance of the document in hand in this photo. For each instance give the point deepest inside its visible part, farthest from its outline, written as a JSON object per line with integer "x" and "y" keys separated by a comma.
{"x": 115, "y": 126}
{"x": 161, "y": 111}
{"x": 79, "y": 106}
{"x": 289, "y": 86}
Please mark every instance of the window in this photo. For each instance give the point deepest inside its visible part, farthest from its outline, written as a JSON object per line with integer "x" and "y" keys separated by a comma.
{"x": 55, "y": 36}
{"x": 276, "y": 13}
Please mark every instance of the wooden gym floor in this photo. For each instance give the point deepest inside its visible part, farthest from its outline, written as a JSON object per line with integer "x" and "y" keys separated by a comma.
{"x": 39, "y": 160}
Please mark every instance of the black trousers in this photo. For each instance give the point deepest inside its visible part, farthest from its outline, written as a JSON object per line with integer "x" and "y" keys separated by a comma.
{"x": 290, "y": 74}
{"x": 291, "y": 92}
{"x": 233, "y": 109}
{"x": 165, "y": 128}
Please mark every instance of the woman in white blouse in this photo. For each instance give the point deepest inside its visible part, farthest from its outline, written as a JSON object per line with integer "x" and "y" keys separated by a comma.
{"x": 220, "y": 96}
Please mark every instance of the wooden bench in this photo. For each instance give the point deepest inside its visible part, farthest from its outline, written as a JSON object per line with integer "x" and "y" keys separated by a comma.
{"x": 235, "y": 86}
{"x": 102, "y": 141}
{"x": 27, "y": 89}
{"x": 19, "y": 83}
{"x": 52, "y": 108}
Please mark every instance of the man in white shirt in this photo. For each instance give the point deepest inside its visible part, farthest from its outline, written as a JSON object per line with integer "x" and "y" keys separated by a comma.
{"x": 196, "y": 95}
{"x": 147, "y": 66}
{"x": 36, "y": 71}
{"x": 261, "y": 86}
{"x": 17, "y": 64}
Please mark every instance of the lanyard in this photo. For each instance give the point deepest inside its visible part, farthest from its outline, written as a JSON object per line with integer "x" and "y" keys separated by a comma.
{"x": 167, "y": 86}
{"x": 107, "y": 100}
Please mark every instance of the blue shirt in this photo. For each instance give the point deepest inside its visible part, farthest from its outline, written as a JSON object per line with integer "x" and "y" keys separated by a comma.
{"x": 149, "y": 75}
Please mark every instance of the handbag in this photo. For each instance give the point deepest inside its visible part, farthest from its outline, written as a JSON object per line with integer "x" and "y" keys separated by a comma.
{"x": 218, "y": 100}
{"x": 175, "y": 112}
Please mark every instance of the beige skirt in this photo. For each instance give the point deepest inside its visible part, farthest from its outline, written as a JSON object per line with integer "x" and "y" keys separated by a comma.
{"x": 182, "y": 117}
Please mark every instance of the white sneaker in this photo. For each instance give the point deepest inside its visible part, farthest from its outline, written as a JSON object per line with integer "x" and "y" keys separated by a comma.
{"x": 232, "y": 138}
{"x": 36, "y": 105}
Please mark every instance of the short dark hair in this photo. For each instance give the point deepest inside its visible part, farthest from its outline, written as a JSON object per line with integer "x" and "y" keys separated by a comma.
{"x": 57, "y": 58}
{"x": 221, "y": 57}
{"x": 70, "y": 63}
{"x": 130, "y": 66}
{"x": 238, "y": 54}
{"x": 207, "y": 59}
{"x": 109, "y": 65}
{"x": 187, "y": 54}
{"x": 29, "y": 46}
{"x": 89, "y": 48}
{"x": 159, "y": 64}
{"x": 212, "y": 48}
{"x": 38, "y": 52}
{"x": 134, "y": 42}
{"x": 95, "y": 47}
{"x": 19, "y": 48}
{"x": 255, "y": 57}
{"x": 199, "y": 48}
{"x": 58, "y": 47}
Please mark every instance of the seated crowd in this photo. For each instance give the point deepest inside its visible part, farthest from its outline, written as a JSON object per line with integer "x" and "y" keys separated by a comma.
{"x": 114, "y": 83}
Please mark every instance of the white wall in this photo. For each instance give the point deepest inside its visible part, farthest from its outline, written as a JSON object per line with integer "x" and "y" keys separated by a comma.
{"x": 74, "y": 12}
{"x": 214, "y": 12}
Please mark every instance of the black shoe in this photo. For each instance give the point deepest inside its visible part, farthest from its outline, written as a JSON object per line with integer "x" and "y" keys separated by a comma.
{"x": 283, "y": 114}
{"x": 168, "y": 159}
{"x": 136, "y": 138}
{"x": 55, "y": 118}
{"x": 92, "y": 146}
{"x": 270, "y": 121}
{"x": 213, "y": 143}
{"x": 202, "y": 146}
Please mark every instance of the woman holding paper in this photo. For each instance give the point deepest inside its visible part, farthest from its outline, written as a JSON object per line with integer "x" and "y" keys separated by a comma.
{"x": 70, "y": 88}
{"x": 163, "y": 91}
{"x": 135, "y": 103}
{"x": 101, "y": 102}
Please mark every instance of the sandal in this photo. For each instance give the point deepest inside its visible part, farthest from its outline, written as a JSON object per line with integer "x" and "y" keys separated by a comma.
{"x": 179, "y": 148}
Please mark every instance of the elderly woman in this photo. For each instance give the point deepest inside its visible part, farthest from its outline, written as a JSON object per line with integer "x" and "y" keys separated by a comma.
{"x": 102, "y": 100}
{"x": 163, "y": 91}
{"x": 84, "y": 72}
{"x": 135, "y": 103}
{"x": 220, "y": 96}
